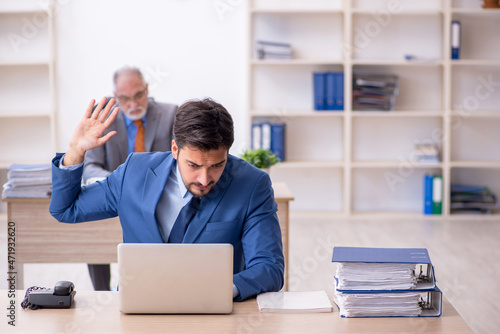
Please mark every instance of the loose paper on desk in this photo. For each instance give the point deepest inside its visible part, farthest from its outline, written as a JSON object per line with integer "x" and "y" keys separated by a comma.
{"x": 294, "y": 302}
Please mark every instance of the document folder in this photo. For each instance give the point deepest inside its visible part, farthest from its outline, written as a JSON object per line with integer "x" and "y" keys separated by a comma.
{"x": 429, "y": 305}
{"x": 418, "y": 256}
{"x": 370, "y": 282}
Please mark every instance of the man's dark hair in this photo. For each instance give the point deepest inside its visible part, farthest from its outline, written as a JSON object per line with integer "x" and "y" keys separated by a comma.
{"x": 203, "y": 124}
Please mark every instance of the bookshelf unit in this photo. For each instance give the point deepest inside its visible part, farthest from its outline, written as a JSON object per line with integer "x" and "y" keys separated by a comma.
{"x": 27, "y": 87}
{"x": 359, "y": 163}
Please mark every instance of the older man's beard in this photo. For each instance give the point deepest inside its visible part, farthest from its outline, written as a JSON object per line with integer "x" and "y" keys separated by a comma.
{"x": 136, "y": 113}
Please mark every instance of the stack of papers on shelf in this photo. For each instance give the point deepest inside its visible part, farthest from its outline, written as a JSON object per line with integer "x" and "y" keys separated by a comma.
{"x": 294, "y": 302}
{"x": 374, "y": 92}
{"x": 426, "y": 153}
{"x": 385, "y": 282}
{"x": 472, "y": 199}
{"x": 274, "y": 50}
{"x": 28, "y": 181}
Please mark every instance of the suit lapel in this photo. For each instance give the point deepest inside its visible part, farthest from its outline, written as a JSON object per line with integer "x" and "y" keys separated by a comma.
{"x": 208, "y": 205}
{"x": 120, "y": 137}
{"x": 151, "y": 126}
{"x": 155, "y": 182}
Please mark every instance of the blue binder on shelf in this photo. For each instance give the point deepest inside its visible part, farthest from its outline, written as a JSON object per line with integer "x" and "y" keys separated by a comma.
{"x": 455, "y": 39}
{"x": 334, "y": 90}
{"x": 319, "y": 89}
{"x": 269, "y": 136}
{"x": 430, "y": 297}
{"x": 428, "y": 205}
{"x": 339, "y": 91}
{"x": 278, "y": 140}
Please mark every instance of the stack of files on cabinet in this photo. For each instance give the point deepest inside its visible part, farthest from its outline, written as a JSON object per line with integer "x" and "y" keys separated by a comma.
{"x": 472, "y": 199}
{"x": 374, "y": 92}
{"x": 274, "y": 50}
{"x": 385, "y": 282}
{"x": 28, "y": 181}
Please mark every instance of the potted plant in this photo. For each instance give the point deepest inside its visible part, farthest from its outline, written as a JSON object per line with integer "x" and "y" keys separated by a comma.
{"x": 260, "y": 158}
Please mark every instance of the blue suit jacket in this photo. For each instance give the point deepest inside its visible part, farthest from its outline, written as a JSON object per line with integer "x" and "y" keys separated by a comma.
{"x": 240, "y": 210}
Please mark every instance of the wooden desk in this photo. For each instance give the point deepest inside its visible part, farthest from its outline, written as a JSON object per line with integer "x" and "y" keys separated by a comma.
{"x": 41, "y": 239}
{"x": 97, "y": 312}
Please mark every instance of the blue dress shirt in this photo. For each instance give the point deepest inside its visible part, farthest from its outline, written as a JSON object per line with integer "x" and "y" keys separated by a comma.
{"x": 131, "y": 131}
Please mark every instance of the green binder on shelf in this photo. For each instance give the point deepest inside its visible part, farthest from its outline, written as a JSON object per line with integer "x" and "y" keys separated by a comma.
{"x": 437, "y": 195}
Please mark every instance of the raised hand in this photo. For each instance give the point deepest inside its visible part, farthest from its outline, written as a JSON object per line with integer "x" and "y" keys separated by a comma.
{"x": 88, "y": 133}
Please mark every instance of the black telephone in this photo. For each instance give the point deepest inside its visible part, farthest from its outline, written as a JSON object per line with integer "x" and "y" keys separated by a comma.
{"x": 60, "y": 296}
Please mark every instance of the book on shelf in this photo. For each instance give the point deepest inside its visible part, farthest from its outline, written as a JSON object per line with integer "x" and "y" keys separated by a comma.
{"x": 269, "y": 136}
{"x": 28, "y": 181}
{"x": 294, "y": 302}
{"x": 274, "y": 50}
{"x": 433, "y": 194}
{"x": 385, "y": 282}
{"x": 472, "y": 199}
{"x": 374, "y": 92}
{"x": 328, "y": 90}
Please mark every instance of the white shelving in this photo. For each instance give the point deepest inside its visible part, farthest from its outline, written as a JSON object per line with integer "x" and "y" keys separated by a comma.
{"x": 360, "y": 163}
{"x": 27, "y": 87}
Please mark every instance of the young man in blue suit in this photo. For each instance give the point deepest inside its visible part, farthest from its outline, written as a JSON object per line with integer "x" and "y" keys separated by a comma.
{"x": 147, "y": 192}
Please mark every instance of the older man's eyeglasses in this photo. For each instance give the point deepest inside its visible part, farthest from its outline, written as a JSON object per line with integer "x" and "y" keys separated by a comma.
{"x": 137, "y": 97}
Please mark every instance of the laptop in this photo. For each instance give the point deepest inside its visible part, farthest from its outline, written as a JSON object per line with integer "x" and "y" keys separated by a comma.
{"x": 175, "y": 278}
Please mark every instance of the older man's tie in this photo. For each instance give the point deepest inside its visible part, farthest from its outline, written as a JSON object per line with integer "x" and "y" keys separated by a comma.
{"x": 139, "y": 137}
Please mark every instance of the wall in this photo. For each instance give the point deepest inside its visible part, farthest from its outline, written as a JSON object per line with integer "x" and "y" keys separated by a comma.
{"x": 186, "y": 49}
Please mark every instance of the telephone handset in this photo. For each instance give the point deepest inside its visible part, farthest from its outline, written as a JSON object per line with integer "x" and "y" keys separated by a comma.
{"x": 60, "y": 296}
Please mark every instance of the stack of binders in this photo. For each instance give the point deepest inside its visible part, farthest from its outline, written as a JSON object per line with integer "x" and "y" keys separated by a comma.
{"x": 385, "y": 282}
{"x": 328, "y": 90}
{"x": 270, "y": 137}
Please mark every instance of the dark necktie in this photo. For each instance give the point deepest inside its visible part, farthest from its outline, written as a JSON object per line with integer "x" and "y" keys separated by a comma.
{"x": 187, "y": 213}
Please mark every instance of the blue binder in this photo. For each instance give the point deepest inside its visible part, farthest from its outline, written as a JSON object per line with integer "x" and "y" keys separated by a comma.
{"x": 455, "y": 39}
{"x": 334, "y": 90}
{"x": 428, "y": 205}
{"x": 330, "y": 93}
{"x": 319, "y": 83}
{"x": 339, "y": 91}
{"x": 278, "y": 140}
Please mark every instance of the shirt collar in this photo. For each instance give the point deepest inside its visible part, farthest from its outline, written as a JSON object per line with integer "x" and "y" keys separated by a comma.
{"x": 182, "y": 187}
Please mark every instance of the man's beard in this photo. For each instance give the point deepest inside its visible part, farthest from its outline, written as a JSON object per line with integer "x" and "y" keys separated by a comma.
{"x": 136, "y": 116}
{"x": 205, "y": 192}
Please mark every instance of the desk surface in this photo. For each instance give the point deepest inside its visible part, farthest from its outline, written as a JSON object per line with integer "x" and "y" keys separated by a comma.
{"x": 97, "y": 312}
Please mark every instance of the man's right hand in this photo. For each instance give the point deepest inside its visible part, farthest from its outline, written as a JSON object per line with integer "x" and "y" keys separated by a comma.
{"x": 89, "y": 131}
